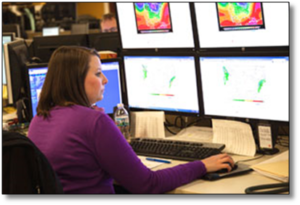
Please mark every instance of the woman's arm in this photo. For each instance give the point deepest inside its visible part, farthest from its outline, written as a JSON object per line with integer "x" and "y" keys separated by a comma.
{"x": 118, "y": 159}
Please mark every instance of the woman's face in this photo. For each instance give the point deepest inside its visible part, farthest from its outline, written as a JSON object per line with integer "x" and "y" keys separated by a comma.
{"x": 94, "y": 81}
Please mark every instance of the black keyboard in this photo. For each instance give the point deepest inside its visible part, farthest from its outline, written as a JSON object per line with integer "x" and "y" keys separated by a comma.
{"x": 173, "y": 149}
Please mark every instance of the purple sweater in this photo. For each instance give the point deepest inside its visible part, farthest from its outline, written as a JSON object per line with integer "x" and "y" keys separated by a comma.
{"x": 87, "y": 151}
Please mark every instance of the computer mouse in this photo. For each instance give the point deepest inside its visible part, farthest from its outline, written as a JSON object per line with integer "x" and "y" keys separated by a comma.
{"x": 225, "y": 170}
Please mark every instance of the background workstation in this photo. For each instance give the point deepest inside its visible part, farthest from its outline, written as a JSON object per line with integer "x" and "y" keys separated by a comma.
{"x": 197, "y": 49}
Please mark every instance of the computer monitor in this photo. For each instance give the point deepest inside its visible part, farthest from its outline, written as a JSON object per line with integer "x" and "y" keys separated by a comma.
{"x": 50, "y": 31}
{"x": 44, "y": 46}
{"x": 235, "y": 25}
{"x": 16, "y": 56}
{"x": 80, "y": 28}
{"x": 12, "y": 28}
{"x": 10, "y": 35}
{"x": 166, "y": 83}
{"x": 155, "y": 25}
{"x": 36, "y": 74}
{"x": 6, "y": 38}
{"x": 105, "y": 41}
{"x": 251, "y": 87}
{"x": 113, "y": 89}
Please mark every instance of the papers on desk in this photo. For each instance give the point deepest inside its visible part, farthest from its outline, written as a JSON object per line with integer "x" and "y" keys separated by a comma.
{"x": 237, "y": 136}
{"x": 276, "y": 167}
{"x": 9, "y": 116}
{"x": 195, "y": 134}
{"x": 148, "y": 124}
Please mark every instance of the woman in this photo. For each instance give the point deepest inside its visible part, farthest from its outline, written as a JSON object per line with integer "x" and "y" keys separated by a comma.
{"x": 84, "y": 146}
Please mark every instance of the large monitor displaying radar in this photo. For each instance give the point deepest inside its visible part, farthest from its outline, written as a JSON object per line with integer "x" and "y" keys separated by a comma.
{"x": 253, "y": 87}
{"x": 228, "y": 25}
{"x": 166, "y": 83}
{"x": 155, "y": 25}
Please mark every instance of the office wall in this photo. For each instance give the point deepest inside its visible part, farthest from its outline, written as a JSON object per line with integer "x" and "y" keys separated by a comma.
{"x": 94, "y": 9}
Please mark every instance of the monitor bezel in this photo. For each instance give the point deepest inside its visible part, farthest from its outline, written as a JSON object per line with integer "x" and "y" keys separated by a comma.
{"x": 7, "y": 66}
{"x": 16, "y": 29}
{"x": 239, "y": 54}
{"x": 39, "y": 42}
{"x": 11, "y": 34}
{"x": 8, "y": 76}
{"x": 93, "y": 39}
{"x": 166, "y": 54}
{"x": 21, "y": 71}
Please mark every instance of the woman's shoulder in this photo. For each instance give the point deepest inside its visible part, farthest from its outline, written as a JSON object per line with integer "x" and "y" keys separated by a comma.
{"x": 76, "y": 112}
{"x": 87, "y": 111}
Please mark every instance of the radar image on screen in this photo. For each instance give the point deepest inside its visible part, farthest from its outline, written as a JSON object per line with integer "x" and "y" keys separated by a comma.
{"x": 153, "y": 17}
{"x": 240, "y": 16}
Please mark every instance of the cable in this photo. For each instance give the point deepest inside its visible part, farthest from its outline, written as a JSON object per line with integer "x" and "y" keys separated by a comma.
{"x": 247, "y": 160}
{"x": 275, "y": 188}
{"x": 166, "y": 126}
{"x": 282, "y": 141}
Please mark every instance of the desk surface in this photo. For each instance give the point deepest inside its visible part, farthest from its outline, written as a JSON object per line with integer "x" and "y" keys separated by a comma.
{"x": 230, "y": 185}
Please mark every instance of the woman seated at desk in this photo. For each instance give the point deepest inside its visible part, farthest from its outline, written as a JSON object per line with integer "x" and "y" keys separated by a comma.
{"x": 83, "y": 144}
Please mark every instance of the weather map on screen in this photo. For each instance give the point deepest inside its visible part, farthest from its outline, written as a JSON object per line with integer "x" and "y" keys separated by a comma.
{"x": 240, "y": 16}
{"x": 246, "y": 86}
{"x": 153, "y": 17}
{"x": 167, "y": 83}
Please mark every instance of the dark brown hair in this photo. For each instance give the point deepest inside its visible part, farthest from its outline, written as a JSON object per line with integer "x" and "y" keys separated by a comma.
{"x": 64, "y": 82}
{"x": 108, "y": 16}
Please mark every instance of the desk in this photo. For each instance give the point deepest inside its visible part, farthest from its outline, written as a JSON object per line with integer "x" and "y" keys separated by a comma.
{"x": 10, "y": 116}
{"x": 231, "y": 185}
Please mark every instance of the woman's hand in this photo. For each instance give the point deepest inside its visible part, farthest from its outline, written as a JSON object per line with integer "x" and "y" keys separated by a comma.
{"x": 217, "y": 162}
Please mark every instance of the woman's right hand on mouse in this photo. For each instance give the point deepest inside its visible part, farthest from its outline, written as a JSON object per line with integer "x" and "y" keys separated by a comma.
{"x": 217, "y": 162}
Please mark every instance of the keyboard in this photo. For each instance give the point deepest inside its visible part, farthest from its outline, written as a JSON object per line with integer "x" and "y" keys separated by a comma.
{"x": 173, "y": 149}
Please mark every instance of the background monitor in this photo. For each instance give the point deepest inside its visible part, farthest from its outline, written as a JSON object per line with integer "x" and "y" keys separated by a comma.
{"x": 6, "y": 38}
{"x": 36, "y": 74}
{"x": 50, "y": 31}
{"x": 155, "y": 25}
{"x": 44, "y": 46}
{"x": 10, "y": 35}
{"x": 12, "y": 28}
{"x": 80, "y": 28}
{"x": 246, "y": 87}
{"x": 271, "y": 26}
{"x": 165, "y": 83}
{"x": 113, "y": 89}
{"x": 16, "y": 55}
{"x": 105, "y": 41}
